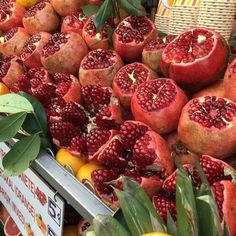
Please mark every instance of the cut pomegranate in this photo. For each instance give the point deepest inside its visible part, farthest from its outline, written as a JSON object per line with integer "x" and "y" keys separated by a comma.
{"x": 63, "y": 53}
{"x": 131, "y": 35}
{"x": 99, "y": 67}
{"x": 40, "y": 18}
{"x": 12, "y": 42}
{"x": 11, "y": 14}
{"x": 74, "y": 23}
{"x": 205, "y": 122}
{"x": 158, "y": 103}
{"x": 195, "y": 58}
{"x": 152, "y": 51}
{"x": 78, "y": 147}
{"x": 128, "y": 78}
{"x": 32, "y": 49}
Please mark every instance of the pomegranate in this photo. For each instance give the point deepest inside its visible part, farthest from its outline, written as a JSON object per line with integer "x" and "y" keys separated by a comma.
{"x": 74, "y": 23}
{"x": 11, "y": 14}
{"x": 230, "y": 81}
{"x": 99, "y": 67}
{"x": 94, "y": 39}
{"x": 10, "y": 71}
{"x": 195, "y": 58}
{"x": 40, "y": 18}
{"x": 152, "y": 51}
{"x": 128, "y": 78}
{"x": 158, "y": 103}
{"x": 78, "y": 147}
{"x": 12, "y": 42}
{"x": 32, "y": 49}
{"x": 66, "y": 7}
{"x": 131, "y": 35}
{"x": 205, "y": 122}
{"x": 63, "y": 53}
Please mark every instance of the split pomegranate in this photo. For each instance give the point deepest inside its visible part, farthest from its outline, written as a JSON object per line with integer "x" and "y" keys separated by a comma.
{"x": 128, "y": 78}
{"x": 40, "y": 18}
{"x": 63, "y": 53}
{"x": 32, "y": 49}
{"x": 195, "y": 58}
{"x": 12, "y": 42}
{"x": 11, "y": 14}
{"x": 158, "y": 103}
{"x": 74, "y": 23}
{"x": 205, "y": 122}
{"x": 11, "y": 70}
{"x": 99, "y": 67}
{"x": 230, "y": 81}
{"x": 152, "y": 51}
{"x": 131, "y": 35}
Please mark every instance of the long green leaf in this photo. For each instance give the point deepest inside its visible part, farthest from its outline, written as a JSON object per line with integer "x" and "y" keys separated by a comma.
{"x": 171, "y": 225}
{"x": 18, "y": 159}
{"x": 131, "y": 8}
{"x": 10, "y": 125}
{"x": 90, "y": 10}
{"x": 14, "y": 103}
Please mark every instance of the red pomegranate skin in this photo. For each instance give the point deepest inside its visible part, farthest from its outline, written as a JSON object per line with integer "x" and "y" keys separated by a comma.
{"x": 14, "y": 45}
{"x": 69, "y": 56}
{"x": 147, "y": 104}
{"x": 230, "y": 81}
{"x": 207, "y": 125}
{"x": 181, "y": 65}
{"x": 44, "y": 20}
{"x": 13, "y": 18}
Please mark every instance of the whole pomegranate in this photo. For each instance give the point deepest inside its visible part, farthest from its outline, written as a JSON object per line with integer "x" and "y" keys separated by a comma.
{"x": 99, "y": 67}
{"x": 74, "y": 22}
{"x": 207, "y": 125}
{"x": 40, "y": 18}
{"x": 158, "y": 103}
{"x": 13, "y": 41}
{"x": 152, "y": 51}
{"x": 32, "y": 49}
{"x": 11, "y": 14}
{"x": 195, "y": 58}
{"x": 128, "y": 78}
{"x": 131, "y": 35}
{"x": 230, "y": 81}
{"x": 63, "y": 53}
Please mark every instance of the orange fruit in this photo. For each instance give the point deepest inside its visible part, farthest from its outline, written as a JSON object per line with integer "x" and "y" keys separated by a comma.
{"x": 3, "y": 89}
{"x": 69, "y": 161}
{"x": 70, "y": 230}
{"x": 27, "y": 3}
{"x": 155, "y": 234}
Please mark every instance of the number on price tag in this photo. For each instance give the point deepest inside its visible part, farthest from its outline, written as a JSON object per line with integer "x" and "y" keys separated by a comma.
{"x": 54, "y": 211}
{"x": 50, "y": 232}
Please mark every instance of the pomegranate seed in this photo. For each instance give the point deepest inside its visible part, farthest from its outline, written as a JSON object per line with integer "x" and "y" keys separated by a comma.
{"x": 78, "y": 146}
{"x": 33, "y": 10}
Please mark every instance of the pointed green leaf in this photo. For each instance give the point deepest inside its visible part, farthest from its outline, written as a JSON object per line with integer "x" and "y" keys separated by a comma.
{"x": 226, "y": 230}
{"x": 131, "y": 8}
{"x": 10, "y": 125}
{"x": 171, "y": 225}
{"x": 89, "y": 10}
{"x": 18, "y": 159}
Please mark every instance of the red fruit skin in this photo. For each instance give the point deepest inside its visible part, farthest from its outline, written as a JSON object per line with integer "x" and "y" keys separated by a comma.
{"x": 14, "y": 45}
{"x": 131, "y": 52}
{"x": 230, "y": 81}
{"x": 33, "y": 60}
{"x": 163, "y": 120}
{"x": 68, "y": 58}
{"x": 200, "y": 72}
{"x": 151, "y": 185}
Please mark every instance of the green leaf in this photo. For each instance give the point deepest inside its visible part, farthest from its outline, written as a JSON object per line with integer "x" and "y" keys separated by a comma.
{"x": 132, "y": 8}
{"x": 89, "y": 10}
{"x": 230, "y": 172}
{"x": 18, "y": 159}
{"x": 226, "y": 229}
{"x": 171, "y": 225}
{"x": 10, "y": 125}
{"x": 14, "y": 103}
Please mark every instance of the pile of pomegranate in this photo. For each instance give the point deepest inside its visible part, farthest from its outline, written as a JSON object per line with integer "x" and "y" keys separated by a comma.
{"x": 135, "y": 107}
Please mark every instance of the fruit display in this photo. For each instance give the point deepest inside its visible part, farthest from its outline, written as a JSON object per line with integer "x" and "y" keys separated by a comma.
{"x": 122, "y": 107}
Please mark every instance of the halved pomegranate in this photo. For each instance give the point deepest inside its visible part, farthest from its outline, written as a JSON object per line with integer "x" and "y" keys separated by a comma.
{"x": 94, "y": 39}
{"x": 195, "y": 58}
{"x": 40, "y": 18}
{"x": 12, "y": 42}
{"x": 99, "y": 67}
{"x": 74, "y": 22}
{"x": 63, "y": 53}
{"x": 11, "y": 14}
{"x": 131, "y": 35}
{"x": 32, "y": 49}
{"x": 152, "y": 51}
{"x": 208, "y": 126}
{"x": 128, "y": 78}
{"x": 158, "y": 103}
